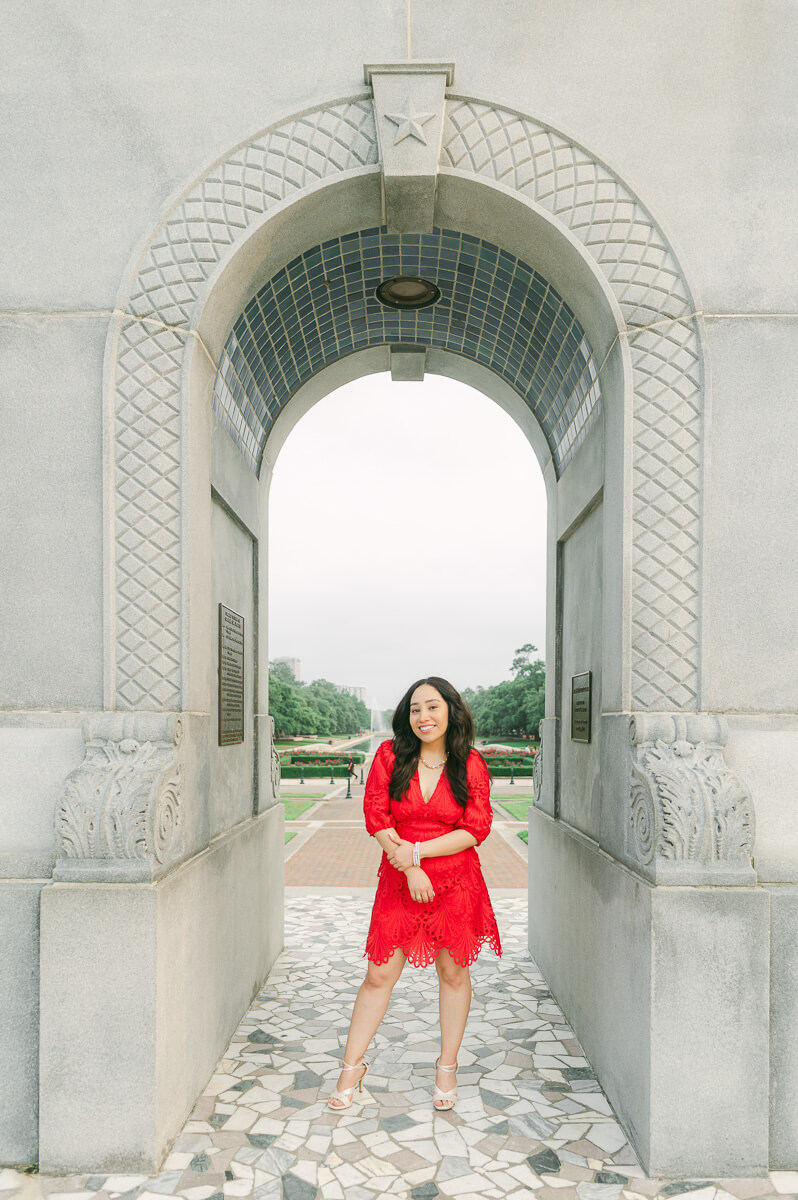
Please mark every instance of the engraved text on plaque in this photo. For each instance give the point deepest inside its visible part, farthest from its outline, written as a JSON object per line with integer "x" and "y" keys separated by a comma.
{"x": 580, "y": 706}
{"x": 231, "y": 677}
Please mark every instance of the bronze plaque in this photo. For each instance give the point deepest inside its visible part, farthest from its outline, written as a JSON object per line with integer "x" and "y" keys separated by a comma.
{"x": 231, "y": 677}
{"x": 581, "y": 688}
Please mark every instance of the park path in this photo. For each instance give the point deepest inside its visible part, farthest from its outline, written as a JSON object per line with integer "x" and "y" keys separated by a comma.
{"x": 332, "y": 848}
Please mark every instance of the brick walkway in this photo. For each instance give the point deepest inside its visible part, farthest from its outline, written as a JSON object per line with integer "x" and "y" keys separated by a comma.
{"x": 334, "y": 857}
{"x": 341, "y": 854}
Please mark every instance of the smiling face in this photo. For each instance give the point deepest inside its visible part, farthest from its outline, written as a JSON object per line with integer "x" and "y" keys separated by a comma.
{"x": 429, "y": 714}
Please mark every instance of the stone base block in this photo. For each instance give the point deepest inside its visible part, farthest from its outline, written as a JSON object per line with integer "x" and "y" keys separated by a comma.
{"x": 784, "y": 1028}
{"x": 667, "y": 988}
{"x": 19, "y": 1020}
{"x": 142, "y": 986}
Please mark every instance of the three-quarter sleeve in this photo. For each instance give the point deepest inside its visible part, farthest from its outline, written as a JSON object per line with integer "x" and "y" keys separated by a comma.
{"x": 376, "y": 801}
{"x": 477, "y": 815}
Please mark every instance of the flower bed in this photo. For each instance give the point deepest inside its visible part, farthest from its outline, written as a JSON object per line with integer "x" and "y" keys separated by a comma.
{"x": 509, "y": 752}
{"x": 511, "y": 760}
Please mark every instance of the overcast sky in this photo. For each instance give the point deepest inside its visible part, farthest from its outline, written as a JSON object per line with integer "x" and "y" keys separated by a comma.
{"x": 407, "y": 538}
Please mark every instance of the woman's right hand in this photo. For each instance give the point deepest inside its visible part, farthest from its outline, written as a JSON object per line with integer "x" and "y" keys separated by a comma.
{"x": 420, "y": 885}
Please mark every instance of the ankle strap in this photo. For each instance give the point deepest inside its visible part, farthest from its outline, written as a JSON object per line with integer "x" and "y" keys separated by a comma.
{"x": 453, "y": 1067}
{"x": 351, "y": 1066}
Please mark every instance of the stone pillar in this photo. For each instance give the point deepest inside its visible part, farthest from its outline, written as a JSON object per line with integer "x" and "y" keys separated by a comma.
{"x": 655, "y": 941}
{"x": 141, "y": 983}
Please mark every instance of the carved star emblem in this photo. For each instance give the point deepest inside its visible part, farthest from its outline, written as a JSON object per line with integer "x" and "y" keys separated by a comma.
{"x": 410, "y": 125}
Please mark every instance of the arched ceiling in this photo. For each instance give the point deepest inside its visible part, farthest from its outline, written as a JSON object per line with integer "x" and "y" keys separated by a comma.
{"x": 493, "y": 308}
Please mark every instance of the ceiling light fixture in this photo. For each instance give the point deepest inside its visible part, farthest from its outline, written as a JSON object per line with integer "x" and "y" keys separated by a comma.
{"x": 407, "y": 291}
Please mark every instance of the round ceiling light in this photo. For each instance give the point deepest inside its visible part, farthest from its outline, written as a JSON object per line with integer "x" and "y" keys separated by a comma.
{"x": 407, "y": 291}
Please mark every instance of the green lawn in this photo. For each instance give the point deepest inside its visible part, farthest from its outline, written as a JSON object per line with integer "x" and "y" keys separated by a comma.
{"x": 517, "y": 809}
{"x": 524, "y": 836}
{"x": 297, "y": 743}
{"x": 303, "y": 795}
{"x": 291, "y": 833}
{"x": 295, "y": 808}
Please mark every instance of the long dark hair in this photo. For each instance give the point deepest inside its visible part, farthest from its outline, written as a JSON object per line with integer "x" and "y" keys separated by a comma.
{"x": 407, "y": 747}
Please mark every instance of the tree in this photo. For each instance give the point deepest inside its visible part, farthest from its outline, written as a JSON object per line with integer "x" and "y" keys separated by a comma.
{"x": 312, "y": 708}
{"x": 514, "y": 706}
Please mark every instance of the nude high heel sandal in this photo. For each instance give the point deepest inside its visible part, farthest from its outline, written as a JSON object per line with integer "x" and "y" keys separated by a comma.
{"x": 348, "y": 1094}
{"x": 449, "y": 1097}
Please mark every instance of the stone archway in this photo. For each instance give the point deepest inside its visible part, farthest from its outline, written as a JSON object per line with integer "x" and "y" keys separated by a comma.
{"x": 662, "y": 770}
{"x": 155, "y": 319}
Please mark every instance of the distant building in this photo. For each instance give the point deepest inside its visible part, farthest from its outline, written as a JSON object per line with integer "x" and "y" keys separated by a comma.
{"x": 293, "y": 665}
{"x": 358, "y": 692}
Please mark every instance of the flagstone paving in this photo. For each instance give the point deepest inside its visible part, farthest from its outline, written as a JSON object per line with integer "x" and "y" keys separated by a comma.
{"x": 530, "y": 1121}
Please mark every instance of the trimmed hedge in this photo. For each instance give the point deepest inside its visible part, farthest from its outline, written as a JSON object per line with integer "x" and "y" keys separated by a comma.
{"x": 315, "y": 771}
{"x": 501, "y": 770}
{"x": 319, "y": 759}
{"x": 294, "y": 771}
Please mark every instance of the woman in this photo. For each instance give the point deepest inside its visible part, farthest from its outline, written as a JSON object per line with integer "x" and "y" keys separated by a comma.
{"x": 427, "y": 799}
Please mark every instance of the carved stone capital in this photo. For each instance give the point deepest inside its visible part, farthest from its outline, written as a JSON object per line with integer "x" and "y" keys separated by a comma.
{"x": 275, "y": 762}
{"x": 537, "y": 775}
{"x": 120, "y": 814}
{"x": 691, "y": 820}
{"x": 544, "y": 777}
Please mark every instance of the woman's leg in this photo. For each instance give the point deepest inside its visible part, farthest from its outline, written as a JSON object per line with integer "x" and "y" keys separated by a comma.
{"x": 454, "y": 1001}
{"x": 370, "y": 1007}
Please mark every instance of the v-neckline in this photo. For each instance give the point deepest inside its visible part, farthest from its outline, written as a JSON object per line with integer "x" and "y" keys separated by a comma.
{"x": 434, "y": 790}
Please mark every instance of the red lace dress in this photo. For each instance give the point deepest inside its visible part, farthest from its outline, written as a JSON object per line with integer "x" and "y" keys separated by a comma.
{"x": 460, "y": 917}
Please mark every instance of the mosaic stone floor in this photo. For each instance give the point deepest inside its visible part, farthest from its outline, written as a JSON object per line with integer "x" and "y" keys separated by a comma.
{"x": 530, "y": 1121}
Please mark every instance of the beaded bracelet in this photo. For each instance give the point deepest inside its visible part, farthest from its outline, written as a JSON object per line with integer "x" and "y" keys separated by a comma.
{"x": 417, "y": 854}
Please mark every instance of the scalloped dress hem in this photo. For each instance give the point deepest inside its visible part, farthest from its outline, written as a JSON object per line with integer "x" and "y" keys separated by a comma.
{"x": 427, "y": 959}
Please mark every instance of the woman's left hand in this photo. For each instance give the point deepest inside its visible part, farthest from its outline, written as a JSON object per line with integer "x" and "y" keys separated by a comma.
{"x": 401, "y": 855}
